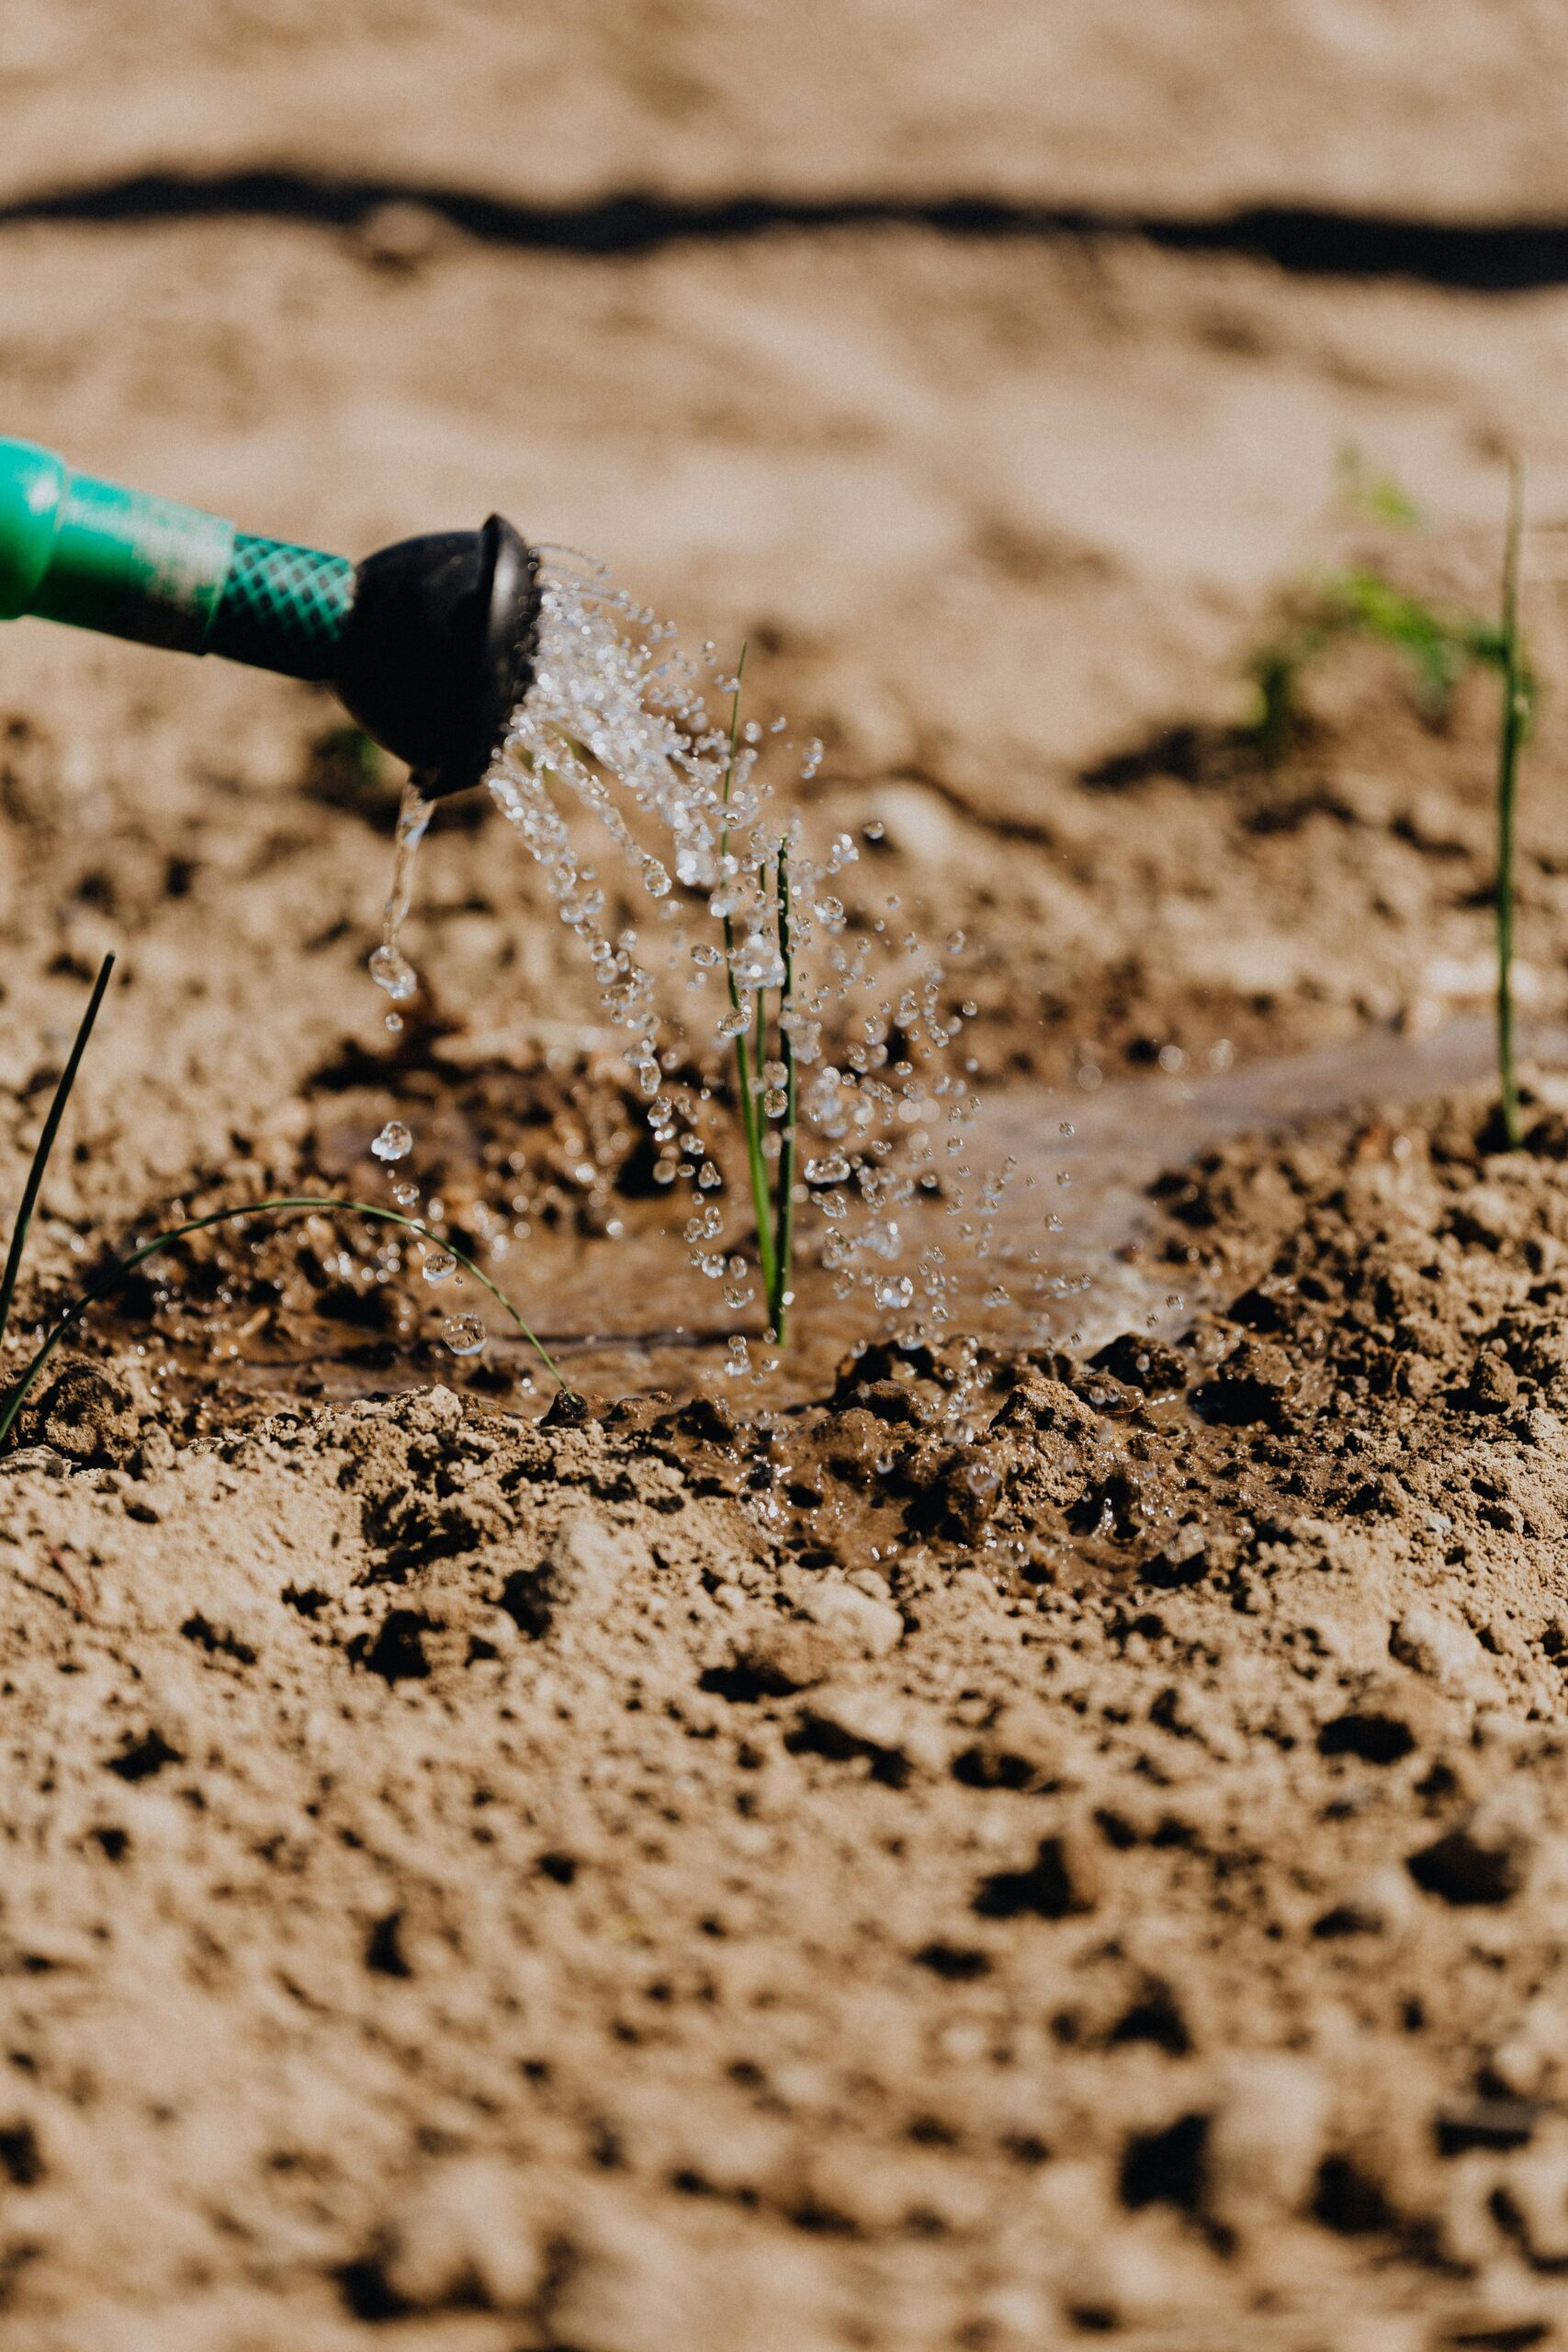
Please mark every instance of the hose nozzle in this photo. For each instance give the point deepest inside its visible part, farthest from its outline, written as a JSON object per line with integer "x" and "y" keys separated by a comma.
{"x": 428, "y": 643}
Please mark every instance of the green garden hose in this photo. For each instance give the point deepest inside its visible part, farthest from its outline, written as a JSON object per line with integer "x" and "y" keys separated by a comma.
{"x": 429, "y": 642}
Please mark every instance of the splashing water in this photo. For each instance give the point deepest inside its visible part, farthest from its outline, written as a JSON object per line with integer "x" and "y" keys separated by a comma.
{"x": 394, "y": 1142}
{"x": 464, "y": 1334}
{"x": 615, "y": 729}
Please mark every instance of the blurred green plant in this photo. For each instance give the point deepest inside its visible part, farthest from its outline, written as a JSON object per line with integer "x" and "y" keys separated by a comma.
{"x": 1373, "y": 497}
{"x": 1513, "y": 726}
{"x": 1441, "y": 647}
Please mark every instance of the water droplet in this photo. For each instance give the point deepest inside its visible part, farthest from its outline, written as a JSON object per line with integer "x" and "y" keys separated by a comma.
{"x": 759, "y": 965}
{"x": 405, "y": 1194}
{"x": 735, "y": 1023}
{"x": 835, "y": 1170}
{"x": 439, "y": 1266}
{"x": 391, "y": 969}
{"x": 892, "y": 1292}
{"x": 708, "y": 1177}
{"x": 464, "y": 1334}
{"x": 394, "y": 1142}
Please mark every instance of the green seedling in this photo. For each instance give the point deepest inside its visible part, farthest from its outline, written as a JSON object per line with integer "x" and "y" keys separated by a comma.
{"x": 1373, "y": 497}
{"x": 117, "y": 1271}
{"x": 1441, "y": 647}
{"x": 1513, "y": 731}
{"x": 773, "y": 1206}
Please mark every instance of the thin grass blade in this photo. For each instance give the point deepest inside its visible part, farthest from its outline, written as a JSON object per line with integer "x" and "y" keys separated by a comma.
{"x": 46, "y": 1144}
{"x": 784, "y": 1226}
{"x": 114, "y": 1275}
{"x": 1511, "y": 730}
{"x": 756, "y": 1167}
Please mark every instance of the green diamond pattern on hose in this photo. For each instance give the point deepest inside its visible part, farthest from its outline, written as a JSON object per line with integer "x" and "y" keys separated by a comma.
{"x": 283, "y": 607}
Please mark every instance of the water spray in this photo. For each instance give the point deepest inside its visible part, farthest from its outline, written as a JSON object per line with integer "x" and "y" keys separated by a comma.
{"x": 428, "y": 643}
{"x": 477, "y": 659}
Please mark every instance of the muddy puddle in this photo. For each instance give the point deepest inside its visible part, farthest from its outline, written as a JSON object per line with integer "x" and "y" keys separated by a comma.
{"x": 1060, "y": 1260}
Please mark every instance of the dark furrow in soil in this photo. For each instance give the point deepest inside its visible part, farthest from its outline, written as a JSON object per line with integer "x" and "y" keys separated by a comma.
{"x": 1305, "y": 240}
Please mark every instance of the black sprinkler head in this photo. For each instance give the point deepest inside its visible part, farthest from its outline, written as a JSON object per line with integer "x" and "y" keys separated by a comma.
{"x": 430, "y": 644}
{"x": 438, "y": 648}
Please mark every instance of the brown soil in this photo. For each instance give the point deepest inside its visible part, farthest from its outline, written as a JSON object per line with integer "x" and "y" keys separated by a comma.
{"x": 1020, "y": 1845}
{"x": 1192, "y": 107}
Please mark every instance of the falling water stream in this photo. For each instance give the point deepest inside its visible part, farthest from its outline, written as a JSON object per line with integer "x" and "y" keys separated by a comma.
{"x": 740, "y": 975}
{"x": 923, "y": 1210}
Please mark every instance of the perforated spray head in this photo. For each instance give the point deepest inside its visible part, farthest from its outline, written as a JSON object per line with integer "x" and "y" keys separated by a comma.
{"x": 429, "y": 644}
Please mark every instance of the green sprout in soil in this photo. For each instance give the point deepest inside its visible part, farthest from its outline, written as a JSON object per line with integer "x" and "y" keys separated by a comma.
{"x": 1373, "y": 497}
{"x": 1442, "y": 647}
{"x": 1358, "y": 601}
{"x": 1513, "y": 731}
{"x": 114, "y": 1274}
{"x": 773, "y": 1206}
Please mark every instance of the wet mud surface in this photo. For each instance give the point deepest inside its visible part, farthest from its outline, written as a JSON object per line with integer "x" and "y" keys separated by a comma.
{"x": 1053, "y": 1834}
